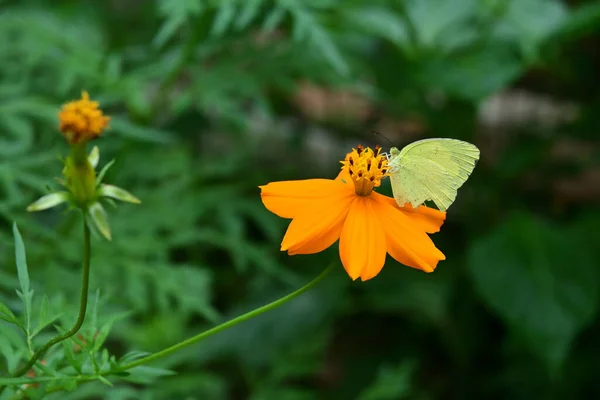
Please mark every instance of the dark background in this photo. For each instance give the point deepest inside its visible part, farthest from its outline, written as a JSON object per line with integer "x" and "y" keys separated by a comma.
{"x": 210, "y": 99}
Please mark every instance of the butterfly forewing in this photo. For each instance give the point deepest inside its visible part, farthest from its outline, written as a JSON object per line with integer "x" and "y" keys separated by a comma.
{"x": 432, "y": 169}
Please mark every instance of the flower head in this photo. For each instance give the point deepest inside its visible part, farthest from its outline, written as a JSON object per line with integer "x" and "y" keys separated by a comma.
{"x": 82, "y": 120}
{"x": 366, "y": 169}
{"x": 367, "y": 224}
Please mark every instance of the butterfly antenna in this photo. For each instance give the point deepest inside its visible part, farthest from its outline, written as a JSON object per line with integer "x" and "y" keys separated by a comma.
{"x": 377, "y": 133}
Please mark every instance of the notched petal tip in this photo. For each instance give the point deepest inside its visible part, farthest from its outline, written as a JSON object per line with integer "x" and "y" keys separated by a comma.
{"x": 117, "y": 193}
{"x": 48, "y": 201}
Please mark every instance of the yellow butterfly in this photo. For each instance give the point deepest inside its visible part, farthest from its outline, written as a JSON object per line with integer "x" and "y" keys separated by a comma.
{"x": 431, "y": 169}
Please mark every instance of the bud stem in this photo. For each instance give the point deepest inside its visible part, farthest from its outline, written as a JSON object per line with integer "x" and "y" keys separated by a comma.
{"x": 82, "y": 306}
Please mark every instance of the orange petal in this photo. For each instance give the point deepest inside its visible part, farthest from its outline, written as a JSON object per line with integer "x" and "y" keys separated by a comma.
{"x": 406, "y": 240}
{"x": 318, "y": 225}
{"x": 344, "y": 176}
{"x": 288, "y": 198}
{"x": 362, "y": 242}
{"x": 428, "y": 219}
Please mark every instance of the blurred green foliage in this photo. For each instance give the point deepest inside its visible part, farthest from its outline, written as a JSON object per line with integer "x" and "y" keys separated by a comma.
{"x": 209, "y": 100}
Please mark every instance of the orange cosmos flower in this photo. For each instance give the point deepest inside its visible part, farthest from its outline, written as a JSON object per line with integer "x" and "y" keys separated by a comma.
{"x": 82, "y": 120}
{"x": 368, "y": 224}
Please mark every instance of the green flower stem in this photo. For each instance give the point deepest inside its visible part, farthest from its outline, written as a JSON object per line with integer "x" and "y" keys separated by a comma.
{"x": 180, "y": 345}
{"x": 228, "y": 324}
{"x": 82, "y": 306}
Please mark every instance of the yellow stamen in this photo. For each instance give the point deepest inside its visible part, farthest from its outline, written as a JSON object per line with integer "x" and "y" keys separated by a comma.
{"x": 82, "y": 120}
{"x": 366, "y": 168}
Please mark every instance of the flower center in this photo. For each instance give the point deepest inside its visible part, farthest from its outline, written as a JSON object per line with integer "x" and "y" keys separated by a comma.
{"x": 82, "y": 120}
{"x": 366, "y": 168}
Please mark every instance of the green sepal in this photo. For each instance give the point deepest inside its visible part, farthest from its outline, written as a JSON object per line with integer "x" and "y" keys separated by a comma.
{"x": 49, "y": 201}
{"x": 117, "y": 193}
{"x": 103, "y": 171}
{"x": 98, "y": 215}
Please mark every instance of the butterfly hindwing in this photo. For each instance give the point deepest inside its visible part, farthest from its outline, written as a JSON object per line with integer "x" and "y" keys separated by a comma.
{"x": 431, "y": 169}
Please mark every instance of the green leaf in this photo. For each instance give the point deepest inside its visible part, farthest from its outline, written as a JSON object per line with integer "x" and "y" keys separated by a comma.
{"x": 7, "y": 315}
{"x": 46, "y": 369}
{"x": 102, "y": 334}
{"x": 273, "y": 19}
{"x": 176, "y": 13}
{"x": 26, "y": 294}
{"x": 410, "y": 292}
{"x": 391, "y": 383}
{"x": 94, "y": 311}
{"x": 143, "y": 374}
{"x": 249, "y": 12}
{"x": 19, "y": 131}
{"x": 581, "y": 21}
{"x": 142, "y": 133}
{"x": 132, "y": 356}
{"x": 437, "y": 21}
{"x": 100, "y": 219}
{"x": 104, "y": 380}
{"x": 468, "y": 75}
{"x": 73, "y": 360}
{"x": 306, "y": 27}
{"x": 23, "y": 381}
{"x": 530, "y": 22}
{"x": 380, "y": 21}
{"x": 43, "y": 319}
{"x": 167, "y": 30}
{"x": 224, "y": 17}
{"x": 21, "y": 260}
{"x": 42, "y": 314}
{"x": 527, "y": 272}
{"x": 12, "y": 348}
{"x": 69, "y": 384}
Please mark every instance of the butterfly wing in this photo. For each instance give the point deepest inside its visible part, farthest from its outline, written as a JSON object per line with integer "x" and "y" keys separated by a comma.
{"x": 431, "y": 169}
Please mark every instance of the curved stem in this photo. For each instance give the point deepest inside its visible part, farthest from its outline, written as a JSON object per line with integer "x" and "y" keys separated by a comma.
{"x": 85, "y": 280}
{"x": 228, "y": 324}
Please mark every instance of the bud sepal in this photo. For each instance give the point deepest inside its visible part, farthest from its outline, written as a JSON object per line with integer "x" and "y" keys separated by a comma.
{"x": 117, "y": 193}
{"x": 98, "y": 216}
{"x": 49, "y": 201}
{"x": 85, "y": 189}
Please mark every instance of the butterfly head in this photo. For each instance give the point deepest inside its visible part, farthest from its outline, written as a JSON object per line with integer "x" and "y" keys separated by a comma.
{"x": 392, "y": 154}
